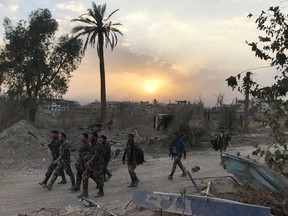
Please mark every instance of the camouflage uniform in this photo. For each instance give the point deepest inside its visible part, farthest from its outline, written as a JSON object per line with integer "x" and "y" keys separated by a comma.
{"x": 95, "y": 169}
{"x": 131, "y": 155}
{"x": 84, "y": 156}
{"x": 63, "y": 164}
{"x": 106, "y": 159}
{"x": 54, "y": 146}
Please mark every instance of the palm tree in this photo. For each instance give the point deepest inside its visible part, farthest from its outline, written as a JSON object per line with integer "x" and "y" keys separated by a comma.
{"x": 247, "y": 85}
{"x": 98, "y": 30}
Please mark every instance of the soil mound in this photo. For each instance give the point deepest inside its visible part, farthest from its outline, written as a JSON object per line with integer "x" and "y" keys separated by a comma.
{"x": 22, "y": 147}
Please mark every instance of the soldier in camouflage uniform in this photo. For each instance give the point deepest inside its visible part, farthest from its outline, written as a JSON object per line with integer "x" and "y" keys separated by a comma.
{"x": 63, "y": 162}
{"x": 131, "y": 155}
{"x": 54, "y": 148}
{"x": 223, "y": 140}
{"x": 84, "y": 156}
{"x": 94, "y": 167}
{"x": 106, "y": 157}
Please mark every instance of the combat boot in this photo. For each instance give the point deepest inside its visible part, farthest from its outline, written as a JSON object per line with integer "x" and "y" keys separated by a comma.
{"x": 170, "y": 177}
{"x": 63, "y": 181}
{"x": 72, "y": 178}
{"x": 75, "y": 188}
{"x": 136, "y": 182}
{"x": 109, "y": 176}
{"x": 131, "y": 184}
{"x": 49, "y": 186}
{"x": 43, "y": 183}
{"x": 84, "y": 194}
{"x": 184, "y": 174}
{"x": 100, "y": 193}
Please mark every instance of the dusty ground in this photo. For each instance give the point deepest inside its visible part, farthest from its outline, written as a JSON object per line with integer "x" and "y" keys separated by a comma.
{"x": 21, "y": 193}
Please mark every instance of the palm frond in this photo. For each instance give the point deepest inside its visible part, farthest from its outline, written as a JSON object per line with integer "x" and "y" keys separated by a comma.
{"x": 112, "y": 14}
{"x": 115, "y": 30}
{"x": 94, "y": 24}
{"x": 103, "y": 10}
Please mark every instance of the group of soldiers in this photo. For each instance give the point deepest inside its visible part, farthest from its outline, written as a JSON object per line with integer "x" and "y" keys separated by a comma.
{"x": 94, "y": 155}
{"x": 93, "y": 158}
{"x": 221, "y": 140}
{"x": 92, "y": 162}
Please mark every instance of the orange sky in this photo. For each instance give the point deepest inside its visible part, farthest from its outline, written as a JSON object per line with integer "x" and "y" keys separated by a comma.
{"x": 171, "y": 50}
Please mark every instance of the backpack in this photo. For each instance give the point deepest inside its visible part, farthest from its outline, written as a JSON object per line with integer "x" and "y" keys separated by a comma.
{"x": 141, "y": 159}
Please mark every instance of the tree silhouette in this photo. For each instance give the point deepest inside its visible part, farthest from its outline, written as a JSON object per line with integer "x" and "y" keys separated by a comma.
{"x": 34, "y": 65}
{"x": 98, "y": 30}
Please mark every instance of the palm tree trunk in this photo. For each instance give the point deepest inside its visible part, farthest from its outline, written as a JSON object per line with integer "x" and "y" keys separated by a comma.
{"x": 102, "y": 78}
{"x": 246, "y": 114}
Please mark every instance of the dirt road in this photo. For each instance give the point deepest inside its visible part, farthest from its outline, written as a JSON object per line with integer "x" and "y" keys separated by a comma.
{"x": 21, "y": 193}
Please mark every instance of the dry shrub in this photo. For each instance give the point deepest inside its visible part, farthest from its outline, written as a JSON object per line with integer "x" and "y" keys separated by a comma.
{"x": 190, "y": 121}
{"x": 65, "y": 120}
{"x": 123, "y": 119}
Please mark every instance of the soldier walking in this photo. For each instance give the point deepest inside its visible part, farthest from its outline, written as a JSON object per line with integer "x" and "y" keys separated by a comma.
{"x": 106, "y": 157}
{"x": 84, "y": 156}
{"x": 177, "y": 150}
{"x": 131, "y": 155}
{"x": 54, "y": 148}
{"x": 94, "y": 167}
{"x": 223, "y": 140}
{"x": 63, "y": 162}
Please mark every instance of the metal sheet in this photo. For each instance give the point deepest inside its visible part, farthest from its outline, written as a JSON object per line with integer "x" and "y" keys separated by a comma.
{"x": 196, "y": 205}
{"x": 254, "y": 173}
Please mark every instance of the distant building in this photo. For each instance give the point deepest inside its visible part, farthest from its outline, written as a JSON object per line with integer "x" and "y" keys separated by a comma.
{"x": 240, "y": 105}
{"x": 112, "y": 105}
{"x": 56, "y": 106}
{"x": 183, "y": 102}
{"x": 94, "y": 106}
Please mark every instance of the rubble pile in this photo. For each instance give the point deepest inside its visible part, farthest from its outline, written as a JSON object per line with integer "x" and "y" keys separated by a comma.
{"x": 23, "y": 147}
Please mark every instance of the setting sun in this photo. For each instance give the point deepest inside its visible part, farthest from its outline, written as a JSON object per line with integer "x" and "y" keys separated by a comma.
{"x": 152, "y": 86}
{"x": 150, "y": 89}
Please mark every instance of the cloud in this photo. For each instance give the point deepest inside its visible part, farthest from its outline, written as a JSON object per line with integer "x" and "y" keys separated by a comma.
{"x": 13, "y": 7}
{"x": 235, "y": 22}
{"x": 9, "y": 7}
{"x": 129, "y": 75}
{"x": 71, "y": 6}
{"x": 183, "y": 49}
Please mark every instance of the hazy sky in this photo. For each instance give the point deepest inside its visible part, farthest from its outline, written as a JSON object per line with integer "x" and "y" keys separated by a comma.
{"x": 171, "y": 50}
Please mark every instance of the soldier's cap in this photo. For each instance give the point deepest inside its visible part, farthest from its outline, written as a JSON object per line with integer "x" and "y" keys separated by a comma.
{"x": 54, "y": 131}
{"x": 63, "y": 135}
{"x": 85, "y": 135}
{"x": 95, "y": 133}
{"x": 103, "y": 136}
{"x": 131, "y": 135}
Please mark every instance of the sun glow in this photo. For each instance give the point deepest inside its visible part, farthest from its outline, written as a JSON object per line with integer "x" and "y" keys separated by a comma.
{"x": 151, "y": 86}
